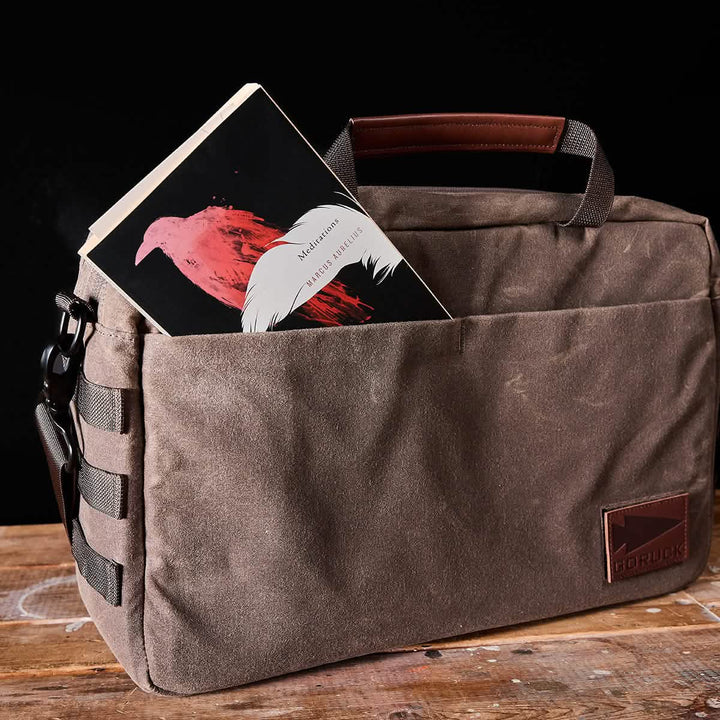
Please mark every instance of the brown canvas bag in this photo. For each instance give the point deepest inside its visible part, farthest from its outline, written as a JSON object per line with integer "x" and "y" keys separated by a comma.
{"x": 246, "y": 505}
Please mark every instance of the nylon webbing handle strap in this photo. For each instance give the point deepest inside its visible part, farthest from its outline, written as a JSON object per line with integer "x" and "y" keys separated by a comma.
{"x": 594, "y": 208}
{"x": 341, "y": 159}
{"x": 104, "y": 575}
{"x": 408, "y": 134}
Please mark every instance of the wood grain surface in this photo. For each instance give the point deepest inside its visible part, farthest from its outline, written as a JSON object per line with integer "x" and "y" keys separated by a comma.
{"x": 658, "y": 658}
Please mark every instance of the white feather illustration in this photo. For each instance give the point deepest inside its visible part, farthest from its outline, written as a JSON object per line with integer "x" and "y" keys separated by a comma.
{"x": 308, "y": 257}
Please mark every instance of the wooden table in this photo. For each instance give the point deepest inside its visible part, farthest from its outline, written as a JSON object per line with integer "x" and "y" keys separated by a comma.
{"x": 658, "y": 658}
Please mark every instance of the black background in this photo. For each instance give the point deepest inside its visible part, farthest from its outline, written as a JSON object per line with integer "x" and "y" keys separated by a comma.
{"x": 90, "y": 109}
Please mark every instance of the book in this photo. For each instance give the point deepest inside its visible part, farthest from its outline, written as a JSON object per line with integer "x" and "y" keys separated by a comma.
{"x": 244, "y": 228}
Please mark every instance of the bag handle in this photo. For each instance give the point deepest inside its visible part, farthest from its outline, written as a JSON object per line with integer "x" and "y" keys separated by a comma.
{"x": 390, "y": 135}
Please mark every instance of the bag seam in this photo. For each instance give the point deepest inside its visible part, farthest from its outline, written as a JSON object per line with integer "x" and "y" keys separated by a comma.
{"x": 714, "y": 436}
{"x": 710, "y": 241}
{"x": 700, "y": 222}
{"x": 704, "y": 555}
{"x": 153, "y": 686}
{"x": 114, "y": 333}
{"x": 710, "y": 485}
{"x": 716, "y": 377}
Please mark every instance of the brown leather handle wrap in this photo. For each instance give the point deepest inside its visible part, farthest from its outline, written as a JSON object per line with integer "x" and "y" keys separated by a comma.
{"x": 404, "y": 134}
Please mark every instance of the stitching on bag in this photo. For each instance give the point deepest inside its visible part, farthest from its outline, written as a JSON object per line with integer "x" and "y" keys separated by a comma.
{"x": 464, "y": 124}
{"x": 119, "y": 334}
{"x": 101, "y": 298}
{"x": 557, "y": 129}
{"x": 461, "y": 336}
{"x": 434, "y": 146}
{"x": 664, "y": 500}
{"x": 710, "y": 512}
{"x": 410, "y": 227}
{"x": 143, "y": 523}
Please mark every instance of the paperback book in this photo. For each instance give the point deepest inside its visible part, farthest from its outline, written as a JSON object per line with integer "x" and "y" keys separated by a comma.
{"x": 244, "y": 228}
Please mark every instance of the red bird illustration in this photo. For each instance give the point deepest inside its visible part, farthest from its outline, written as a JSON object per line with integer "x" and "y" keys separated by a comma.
{"x": 217, "y": 249}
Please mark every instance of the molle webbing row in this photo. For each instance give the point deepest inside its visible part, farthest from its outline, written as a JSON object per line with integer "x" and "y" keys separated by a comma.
{"x": 100, "y": 406}
{"x": 102, "y": 490}
{"x": 103, "y": 408}
{"x": 102, "y": 574}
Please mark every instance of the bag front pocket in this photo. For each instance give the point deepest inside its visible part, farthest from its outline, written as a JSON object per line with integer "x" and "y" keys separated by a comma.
{"x": 313, "y": 495}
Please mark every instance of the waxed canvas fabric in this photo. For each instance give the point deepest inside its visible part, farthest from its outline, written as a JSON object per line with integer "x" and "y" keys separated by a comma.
{"x": 300, "y": 497}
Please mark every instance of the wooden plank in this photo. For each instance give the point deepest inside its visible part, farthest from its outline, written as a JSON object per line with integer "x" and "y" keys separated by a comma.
{"x": 675, "y": 611}
{"x": 707, "y": 593}
{"x": 656, "y": 675}
{"x": 63, "y": 648}
{"x": 22, "y": 545}
{"x": 52, "y": 649}
{"x": 39, "y": 594}
{"x": 713, "y": 565}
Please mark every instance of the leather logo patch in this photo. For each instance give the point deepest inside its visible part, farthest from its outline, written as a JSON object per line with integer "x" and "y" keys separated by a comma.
{"x": 645, "y": 537}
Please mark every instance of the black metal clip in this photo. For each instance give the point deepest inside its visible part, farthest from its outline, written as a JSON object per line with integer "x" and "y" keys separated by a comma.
{"x": 62, "y": 359}
{"x": 61, "y": 365}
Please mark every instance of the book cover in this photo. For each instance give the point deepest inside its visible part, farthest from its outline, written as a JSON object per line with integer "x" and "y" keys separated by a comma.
{"x": 244, "y": 228}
